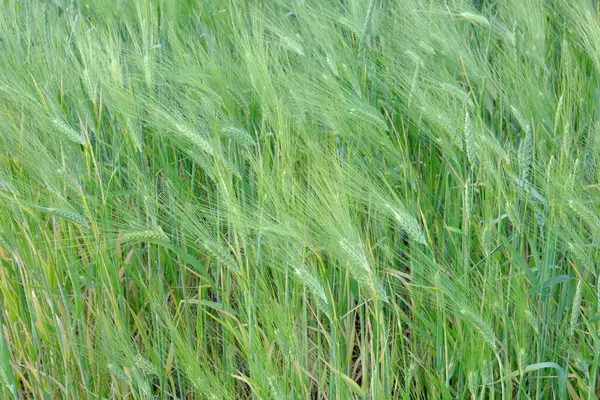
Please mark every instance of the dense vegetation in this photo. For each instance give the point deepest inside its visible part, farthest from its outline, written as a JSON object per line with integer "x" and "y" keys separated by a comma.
{"x": 299, "y": 199}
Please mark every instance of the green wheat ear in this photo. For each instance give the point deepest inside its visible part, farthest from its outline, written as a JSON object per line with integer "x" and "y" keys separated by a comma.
{"x": 469, "y": 140}
{"x": 71, "y": 216}
{"x": 525, "y": 155}
{"x": 409, "y": 224}
{"x": 149, "y": 235}
{"x": 67, "y": 131}
{"x": 475, "y": 18}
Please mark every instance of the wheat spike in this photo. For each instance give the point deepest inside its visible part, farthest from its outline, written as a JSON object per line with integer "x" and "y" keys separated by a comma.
{"x": 366, "y": 27}
{"x": 149, "y": 235}
{"x": 195, "y": 138}
{"x": 475, "y": 19}
{"x": 311, "y": 282}
{"x": 522, "y": 359}
{"x": 116, "y": 371}
{"x": 486, "y": 374}
{"x": 524, "y": 156}
{"x": 67, "y": 131}
{"x": 576, "y": 310}
{"x": 484, "y": 329}
{"x": 239, "y": 135}
{"x": 468, "y": 199}
{"x": 531, "y": 319}
{"x": 357, "y": 259}
{"x": 598, "y": 294}
{"x": 144, "y": 366}
{"x": 332, "y": 66}
{"x": 71, "y": 216}
{"x": 291, "y": 44}
{"x": 473, "y": 383}
{"x": 221, "y": 254}
{"x": 469, "y": 141}
{"x": 134, "y": 135}
{"x": 409, "y": 224}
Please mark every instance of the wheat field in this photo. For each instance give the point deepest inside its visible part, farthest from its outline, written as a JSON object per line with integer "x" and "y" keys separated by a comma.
{"x": 299, "y": 199}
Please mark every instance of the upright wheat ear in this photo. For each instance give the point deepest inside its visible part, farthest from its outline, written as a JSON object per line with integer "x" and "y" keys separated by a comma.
{"x": 468, "y": 200}
{"x": 366, "y": 27}
{"x": 473, "y": 384}
{"x": 525, "y": 155}
{"x": 469, "y": 140}
{"x": 134, "y": 135}
{"x": 576, "y": 310}
{"x": 598, "y": 300}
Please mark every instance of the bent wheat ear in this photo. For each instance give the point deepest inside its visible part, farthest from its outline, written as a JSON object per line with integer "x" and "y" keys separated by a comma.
{"x": 311, "y": 282}
{"x": 149, "y": 235}
{"x": 67, "y": 131}
{"x": 475, "y": 19}
{"x": 484, "y": 329}
{"x": 292, "y": 44}
{"x": 314, "y": 286}
{"x": 239, "y": 135}
{"x": 144, "y": 366}
{"x": 134, "y": 134}
{"x": 71, "y": 216}
{"x": 221, "y": 254}
{"x": 520, "y": 119}
{"x": 532, "y": 320}
{"x": 195, "y": 138}
{"x": 357, "y": 261}
{"x": 359, "y": 268}
{"x": 409, "y": 224}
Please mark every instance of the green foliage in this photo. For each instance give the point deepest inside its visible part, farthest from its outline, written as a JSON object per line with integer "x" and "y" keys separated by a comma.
{"x": 299, "y": 199}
